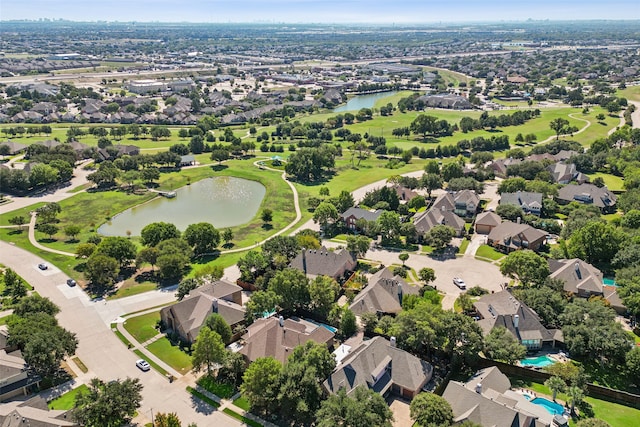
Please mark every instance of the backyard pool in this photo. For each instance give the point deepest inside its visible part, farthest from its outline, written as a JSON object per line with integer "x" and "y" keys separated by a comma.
{"x": 608, "y": 282}
{"x": 537, "y": 362}
{"x": 551, "y": 407}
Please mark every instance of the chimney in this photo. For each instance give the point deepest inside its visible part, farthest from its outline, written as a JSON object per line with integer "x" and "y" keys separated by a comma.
{"x": 215, "y": 305}
{"x": 281, "y": 321}
{"x": 479, "y": 388}
{"x": 400, "y": 293}
{"x": 518, "y": 220}
{"x": 577, "y": 268}
{"x": 516, "y": 321}
{"x": 392, "y": 341}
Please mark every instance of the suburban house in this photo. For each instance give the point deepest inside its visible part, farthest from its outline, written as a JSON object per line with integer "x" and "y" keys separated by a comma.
{"x": 588, "y": 194}
{"x": 352, "y": 215}
{"x": 466, "y": 203}
{"x": 404, "y": 194}
{"x": 33, "y": 413}
{"x": 584, "y": 280}
{"x": 564, "y": 173}
{"x": 382, "y": 367}
{"x": 15, "y": 379}
{"x": 425, "y": 221}
{"x": 187, "y": 160}
{"x": 531, "y": 203}
{"x": 14, "y": 147}
{"x": 487, "y": 399}
{"x": 323, "y": 262}
{"x": 487, "y": 221}
{"x": 383, "y": 294}
{"x": 503, "y": 309}
{"x": 187, "y": 316}
{"x": 499, "y": 166}
{"x": 277, "y": 337}
{"x": 511, "y": 236}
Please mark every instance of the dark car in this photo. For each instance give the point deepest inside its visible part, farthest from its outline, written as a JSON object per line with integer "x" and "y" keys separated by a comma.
{"x": 71, "y": 282}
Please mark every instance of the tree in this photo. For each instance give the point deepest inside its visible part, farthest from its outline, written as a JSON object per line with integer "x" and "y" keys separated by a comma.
{"x": 260, "y": 384}
{"x": 44, "y": 350}
{"x": 348, "y": 323}
{"x": 109, "y": 404}
{"x": 13, "y": 285}
{"x": 169, "y": 419}
{"x": 510, "y": 212}
{"x": 558, "y": 126}
{"x": 101, "y": 270}
{"x": 261, "y": 302}
{"x": 85, "y": 250}
{"x": 72, "y": 231}
{"x": 147, "y": 256}
{"x": 119, "y": 248}
{"x": 430, "y": 182}
{"x": 35, "y": 304}
{"x": 512, "y": 185}
{"x": 502, "y": 346}
{"x": 431, "y": 410}
{"x": 208, "y": 350}
{"x": 440, "y": 236}
{"x": 292, "y": 287}
{"x": 358, "y": 245}
{"x": 343, "y": 202}
{"x": 156, "y": 232}
{"x": 556, "y": 385}
{"x": 364, "y": 408}
{"x": 526, "y": 266}
{"x": 452, "y": 170}
{"x": 18, "y": 220}
{"x": 427, "y": 275}
{"x": 596, "y": 242}
{"x": 323, "y": 291}
{"x": 576, "y": 396}
{"x": 389, "y": 225}
{"x": 48, "y": 229}
{"x": 403, "y": 257}
{"x": 424, "y": 124}
{"x": 202, "y": 237}
{"x": 227, "y": 235}
{"x": 217, "y": 324}
{"x": 267, "y": 215}
{"x": 325, "y": 213}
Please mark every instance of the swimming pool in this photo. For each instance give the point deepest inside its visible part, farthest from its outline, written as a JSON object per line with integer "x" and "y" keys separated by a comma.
{"x": 608, "y": 282}
{"x": 552, "y": 407}
{"x": 537, "y": 362}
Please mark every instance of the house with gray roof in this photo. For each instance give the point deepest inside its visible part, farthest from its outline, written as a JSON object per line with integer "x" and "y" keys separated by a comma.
{"x": 14, "y": 147}
{"x": 584, "y": 280}
{"x": 277, "y": 337}
{"x": 382, "y": 367}
{"x": 499, "y": 166}
{"x": 352, "y": 215}
{"x": 487, "y": 221}
{"x": 187, "y": 317}
{"x": 503, "y": 309}
{"x": 530, "y": 203}
{"x": 440, "y": 213}
{"x": 34, "y": 413}
{"x": 487, "y": 399}
{"x": 15, "y": 378}
{"x": 383, "y": 294}
{"x": 511, "y": 236}
{"x": 564, "y": 173}
{"x": 588, "y": 194}
{"x": 323, "y": 262}
{"x": 465, "y": 203}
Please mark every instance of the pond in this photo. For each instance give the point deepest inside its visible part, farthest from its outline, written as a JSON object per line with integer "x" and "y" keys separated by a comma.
{"x": 363, "y": 101}
{"x": 222, "y": 201}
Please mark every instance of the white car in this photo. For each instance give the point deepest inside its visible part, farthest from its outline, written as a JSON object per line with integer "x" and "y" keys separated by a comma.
{"x": 459, "y": 283}
{"x": 43, "y": 266}
{"x": 143, "y": 365}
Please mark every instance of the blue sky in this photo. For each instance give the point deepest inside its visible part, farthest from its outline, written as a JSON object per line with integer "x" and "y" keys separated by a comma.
{"x": 319, "y": 11}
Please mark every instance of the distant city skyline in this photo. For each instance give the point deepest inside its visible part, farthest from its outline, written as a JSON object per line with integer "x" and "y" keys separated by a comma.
{"x": 319, "y": 11}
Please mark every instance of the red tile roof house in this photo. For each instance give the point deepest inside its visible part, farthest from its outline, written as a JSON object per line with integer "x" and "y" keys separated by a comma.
{"x": 510, "y": 236}
{"x": 187, "y": 316}
{"x": 277, "y": 337}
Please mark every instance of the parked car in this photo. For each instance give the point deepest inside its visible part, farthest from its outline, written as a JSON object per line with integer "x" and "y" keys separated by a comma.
{"x": 143, "y": 365}
{"x": 459, "y": 283}
{"x": 71, "y": 282}
{"x": 43, "y": 266}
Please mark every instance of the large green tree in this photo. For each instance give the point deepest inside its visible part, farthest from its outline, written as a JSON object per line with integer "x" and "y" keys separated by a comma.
{"x": 101, "y": 270}
{"x": 202, "y": 237}
{"x": 596, "y": 242}
{"x": 431, "y": 410}
{"x": 526, "y": 266}
{"x": 439, "y": 236}
{"x": 109, "y": 404}
{"x": 502, "y": 346}
{"x": 363, "y": 408}
{"x": 208, "y": 350}
{"x": 260, "y": 384}
{"x": 119, "y": 248}
{"x": 292, "y": 286}
{"x": 323, "y": 291}
{"x": 217, "y": 324}
{"x": 156, "y": 232}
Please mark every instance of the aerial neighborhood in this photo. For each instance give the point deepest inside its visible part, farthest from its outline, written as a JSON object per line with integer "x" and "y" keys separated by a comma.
{"x": 319, "y": 225}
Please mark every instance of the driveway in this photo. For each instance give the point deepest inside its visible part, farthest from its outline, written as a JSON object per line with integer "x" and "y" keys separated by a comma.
{"x": 101, "y": 351}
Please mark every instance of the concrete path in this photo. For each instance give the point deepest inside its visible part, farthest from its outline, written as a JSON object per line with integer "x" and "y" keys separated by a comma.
{"x": 635, "y": 116}
{"x": 34, "y": 242}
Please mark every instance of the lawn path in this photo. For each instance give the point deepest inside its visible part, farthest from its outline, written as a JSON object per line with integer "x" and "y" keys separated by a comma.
{"x": 34, "y": 242}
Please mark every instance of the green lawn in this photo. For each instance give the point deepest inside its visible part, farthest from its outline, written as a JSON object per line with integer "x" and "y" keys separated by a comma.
{"x": 486, "y": 251}
{"x": 242, "y": 403}
{"x": 171, "y": 355}
{"x": 4, "y": 218}
{"x": 613, "y": 183}
{"x": 143, "y": 327}
{"x": 239, "y": 417}
{"x": 121, "y": 337}
{"x": 132, "y": 287}
{"x": 222, "y": 390}
{"x": 67, "y": 400}
{"x": 463, "y": 246}
{"x": 203, "y": 397}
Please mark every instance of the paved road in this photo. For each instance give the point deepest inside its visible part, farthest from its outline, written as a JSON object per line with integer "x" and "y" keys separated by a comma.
{"x": 100, "y": 350}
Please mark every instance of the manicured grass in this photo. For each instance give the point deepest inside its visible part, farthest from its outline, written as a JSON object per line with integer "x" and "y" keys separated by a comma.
{"x": 131, "y": 287}
{"x": 242, "y": 403}
{"x": 122, "y": 338}
{"x": 171, "y": 355}
{"x": 4, "y": 218}
{"x": 150, "y": 361}
{"x": 80, "y": 365}
{"x": 237, "y": 416}
{"x": 631, "y": 92}
{"x": 486, "y": 251}
{"x": 203, "y": 397}
{"x": 463, "y": 246}
{"x": 613, "y": 183}
{"x": 67, "y": 400}
{"x": 212, "y": 385}
{"x": 143, "y": 327}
